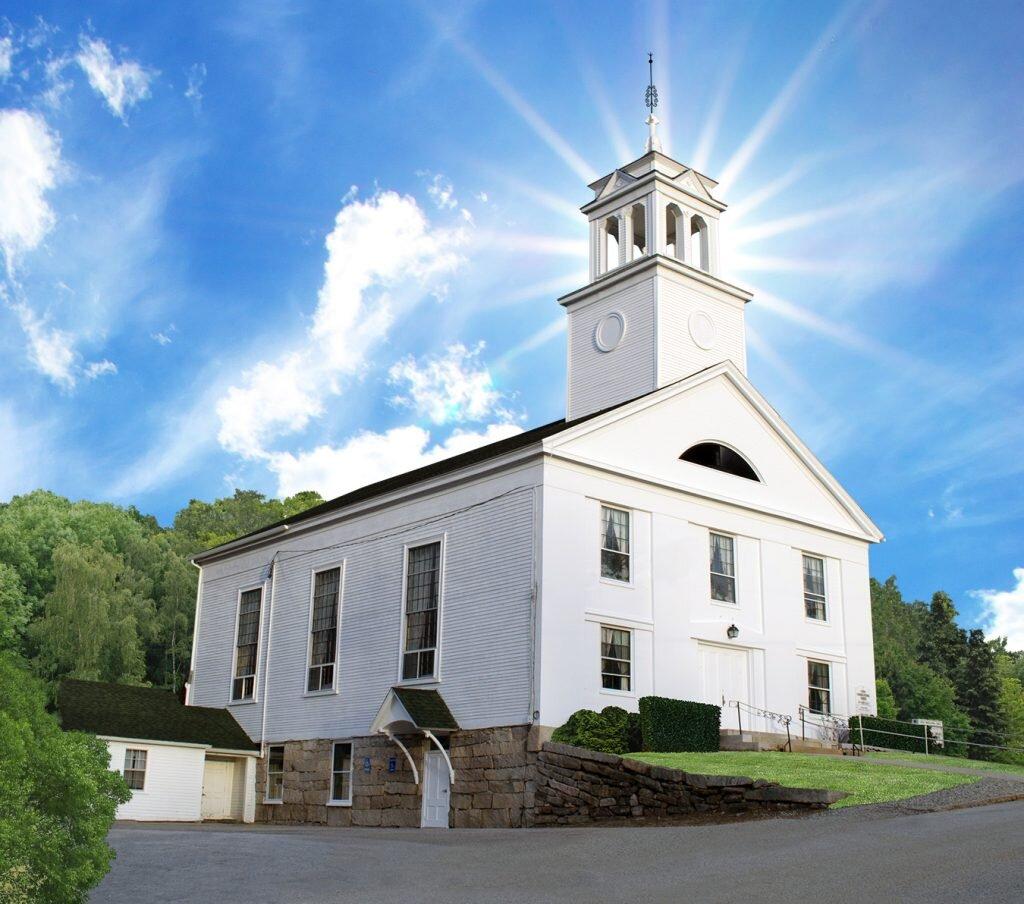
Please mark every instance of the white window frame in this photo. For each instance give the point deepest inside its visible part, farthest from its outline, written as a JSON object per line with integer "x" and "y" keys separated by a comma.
{"x": 331, "y": 800}
{"x": 145, "y": 771}
{"x": 601, "y": 657}
{"x": 807, "y": 676}
{"x": 631, "y": 521}
{"x": 824, "y": 584}
{"x": 244, "y": 701}
{"x": 266, "y": 785}
{"x": 735, "y": 604}
{"x": 413, "y": 544}
{"x": 333, "y": 689}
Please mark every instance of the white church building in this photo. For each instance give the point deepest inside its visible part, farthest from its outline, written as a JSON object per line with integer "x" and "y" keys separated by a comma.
{"x": 397, "y": 651}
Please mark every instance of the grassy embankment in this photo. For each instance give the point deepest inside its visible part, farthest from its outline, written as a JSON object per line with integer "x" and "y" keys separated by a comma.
{"x": 866, "y": 782}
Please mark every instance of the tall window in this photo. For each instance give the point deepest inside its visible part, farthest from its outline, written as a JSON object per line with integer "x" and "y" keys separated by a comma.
{"x": 819, "y": 687}
{"x": 616, "y": 659}
{"x": 341, "y": 773}
{"x": 723, "y": 568}
{"x": 814, "y": 587}
{"x": 422, "y": 598}
{"x": 614, "y": 544}
{"x": 135, "y": 769}
{"x": 324, "y": 630}
{"x": 244, "y": 685}
{"x": 275, "y": 773}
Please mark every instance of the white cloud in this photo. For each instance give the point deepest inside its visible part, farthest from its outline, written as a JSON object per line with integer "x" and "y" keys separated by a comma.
{"x": 1003, "y": 611}
{"x": 382, "y": 254}
{"x": 29, "y": 168}
{"x": 51, "y": 350}
{"x": 122, "y": 84}
{"x": 194, "y": 91}
{"x": 369, "y": 457}
{"x": 96, "y": 369}
{"x": 6, "y": 55}
{"x": 161, "y": 338}
{"x": 452, "y": 387}
{"x": 23, "y": 452}
{"x": 440, "y": 190}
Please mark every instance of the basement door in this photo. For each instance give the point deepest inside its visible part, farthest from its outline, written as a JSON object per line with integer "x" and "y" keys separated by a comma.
{"x": 436, "y": 791}
{"x": 725, "y": 675}
{"x": 219, "y": 798}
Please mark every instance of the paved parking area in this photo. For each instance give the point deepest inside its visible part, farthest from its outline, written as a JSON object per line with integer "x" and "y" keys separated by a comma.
{"x": 856, "y": 855}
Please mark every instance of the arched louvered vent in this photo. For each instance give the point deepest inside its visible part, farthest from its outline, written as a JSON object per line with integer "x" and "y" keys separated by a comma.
{"x": 721, "y": 458}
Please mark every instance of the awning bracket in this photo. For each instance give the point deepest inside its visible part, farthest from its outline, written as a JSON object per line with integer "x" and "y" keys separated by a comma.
{"x": 444, "y": 753}
{"x": 405, "y": 750}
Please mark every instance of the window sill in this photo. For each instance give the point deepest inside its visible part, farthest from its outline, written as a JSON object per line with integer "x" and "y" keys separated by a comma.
{"x": 324, "y": 693}
{"x": 339, "y": 803}
{"x": 248, "y": 702}
{"x": 412, "y": 682}
{"x": 622, "y": 585}
{"x": 822, "y": 622}
{"x": 273, "y": 803}
{"x": 611, "y": 692}
{"x": 724, "y": 605}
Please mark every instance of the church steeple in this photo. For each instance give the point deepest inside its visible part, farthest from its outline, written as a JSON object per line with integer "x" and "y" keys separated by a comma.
{"x": 656, "y": 308}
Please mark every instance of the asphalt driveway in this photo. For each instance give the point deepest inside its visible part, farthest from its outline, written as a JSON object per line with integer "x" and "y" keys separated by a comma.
{"x": 857, "y": 855}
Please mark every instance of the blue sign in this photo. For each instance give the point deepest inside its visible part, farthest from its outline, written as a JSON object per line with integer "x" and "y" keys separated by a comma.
{"x": 392, "y": 764}
{"x": 366, "y": 764}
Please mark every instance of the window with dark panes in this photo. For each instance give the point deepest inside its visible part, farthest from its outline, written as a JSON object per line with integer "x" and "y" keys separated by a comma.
{"x": 614, "y": 544}
{"x": 616, "y": 659}
{"x": 422, "y": 600}
{"x": 275, "y": 773}
{"x": 814, "y": 588}
{"x": 723, "y": 568}
{"x": 341, "y": 773}
{"x": 819, "y": 687}
{"x": 246, "y": 647}
{"x": 135, "y": 769}
{"x": 324, "y": 630}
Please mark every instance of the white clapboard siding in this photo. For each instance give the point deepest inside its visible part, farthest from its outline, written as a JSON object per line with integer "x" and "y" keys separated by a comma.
{"x": 173, "y": 789}
{"x": 485, "y": 618}
{"x": 678, "y": 355}
{"x": 599, "y": 379}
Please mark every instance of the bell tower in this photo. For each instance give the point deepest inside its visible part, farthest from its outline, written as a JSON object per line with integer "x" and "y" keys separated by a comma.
{"x": 656, "y": 308}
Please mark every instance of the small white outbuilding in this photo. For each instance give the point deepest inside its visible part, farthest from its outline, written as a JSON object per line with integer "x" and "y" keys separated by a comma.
{"x": 183, "y": 763}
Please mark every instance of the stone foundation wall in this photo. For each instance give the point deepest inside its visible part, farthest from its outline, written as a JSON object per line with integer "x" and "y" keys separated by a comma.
{"x": 490, "y": 765}
{"x": 573, "y": 786}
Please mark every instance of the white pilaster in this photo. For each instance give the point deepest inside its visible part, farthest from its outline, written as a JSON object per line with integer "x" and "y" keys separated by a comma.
{"x": 624, "y": 244}
{"x": 683, "y": 241}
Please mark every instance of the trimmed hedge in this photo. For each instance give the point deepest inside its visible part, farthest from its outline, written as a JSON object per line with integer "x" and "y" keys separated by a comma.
{"x": 875, "y": 736}
{"x": 672, "y": 726}
{"x": 613, "y": 730}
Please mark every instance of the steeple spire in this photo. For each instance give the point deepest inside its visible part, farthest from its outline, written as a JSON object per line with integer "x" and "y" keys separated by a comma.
{"x": 651, "y": 100}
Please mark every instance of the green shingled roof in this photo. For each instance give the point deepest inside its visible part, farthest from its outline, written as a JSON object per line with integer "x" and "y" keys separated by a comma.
{"x": 427, "y": 708}
{"x": 145, "y": 714}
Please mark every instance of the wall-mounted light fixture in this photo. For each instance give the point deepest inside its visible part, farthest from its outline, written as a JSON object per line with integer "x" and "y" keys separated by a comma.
{"x": 732, "y": 632}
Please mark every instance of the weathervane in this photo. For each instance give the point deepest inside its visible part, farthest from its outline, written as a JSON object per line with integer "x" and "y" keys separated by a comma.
{"x": 651, "y": 100}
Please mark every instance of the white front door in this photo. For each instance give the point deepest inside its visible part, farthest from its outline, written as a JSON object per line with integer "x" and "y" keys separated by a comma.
{"x": 218, "y": 789}
{"x": 725, "y": 676}
{"x": 436, "y": 791}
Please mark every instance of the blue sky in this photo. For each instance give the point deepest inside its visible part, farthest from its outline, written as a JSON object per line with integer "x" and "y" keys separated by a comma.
{"x": 283, "y": 246}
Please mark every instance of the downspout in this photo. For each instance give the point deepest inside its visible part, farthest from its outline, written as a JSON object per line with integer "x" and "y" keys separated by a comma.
{"x": 195, "y": 635}
{"x": 266, "y": 662}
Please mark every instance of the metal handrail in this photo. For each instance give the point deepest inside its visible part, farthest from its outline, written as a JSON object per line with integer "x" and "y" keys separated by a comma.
{"x": 781, "y": 718}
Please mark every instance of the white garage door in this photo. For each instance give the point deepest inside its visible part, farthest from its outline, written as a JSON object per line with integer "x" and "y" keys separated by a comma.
{"x": 725, "y": 675}
{"x": 222, "y": 780}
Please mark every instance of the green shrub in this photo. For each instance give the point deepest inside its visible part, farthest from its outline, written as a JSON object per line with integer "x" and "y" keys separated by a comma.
{"x": 672, "y": 726}
{"x": 57, "y": 799}
{"x": 608, "y": 731}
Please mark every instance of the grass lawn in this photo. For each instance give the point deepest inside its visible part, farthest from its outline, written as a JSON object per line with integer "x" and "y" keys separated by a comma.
{"x": 864, "y": 781}
{"x": 939, "y": 760}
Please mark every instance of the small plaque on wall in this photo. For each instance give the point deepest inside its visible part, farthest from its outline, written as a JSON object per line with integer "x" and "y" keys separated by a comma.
{"x": 392, "y": 764}
{"x": 366, "y": 764}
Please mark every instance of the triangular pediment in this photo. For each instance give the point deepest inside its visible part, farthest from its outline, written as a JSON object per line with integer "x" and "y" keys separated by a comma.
{"x": 693, "y": 182}
{"x": 645, "y": 438}
{"x": 612, "y": 183}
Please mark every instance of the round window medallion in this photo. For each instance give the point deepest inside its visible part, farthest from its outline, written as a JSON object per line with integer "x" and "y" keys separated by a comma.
{"x": 610, "y": 330}
{"x": 702, "y": 329}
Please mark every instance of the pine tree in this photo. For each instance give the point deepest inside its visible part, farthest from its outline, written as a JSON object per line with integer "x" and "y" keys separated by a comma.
{"x": 981, "y": 689}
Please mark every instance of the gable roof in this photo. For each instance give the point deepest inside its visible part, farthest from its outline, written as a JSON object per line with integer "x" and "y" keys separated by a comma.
{"x": 427, "y": 708}
{"x": 145, "y": 713}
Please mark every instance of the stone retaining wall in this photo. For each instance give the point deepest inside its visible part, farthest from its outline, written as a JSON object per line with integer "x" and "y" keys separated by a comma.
{"x": 573, "y": 786}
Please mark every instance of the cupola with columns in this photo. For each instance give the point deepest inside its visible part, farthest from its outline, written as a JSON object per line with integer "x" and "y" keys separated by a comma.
{"x": 656, "y": 308}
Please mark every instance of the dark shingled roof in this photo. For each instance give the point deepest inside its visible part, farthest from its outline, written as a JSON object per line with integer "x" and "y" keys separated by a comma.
{"x": 427, "y": 708}
{"x": 145, "y": 713}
